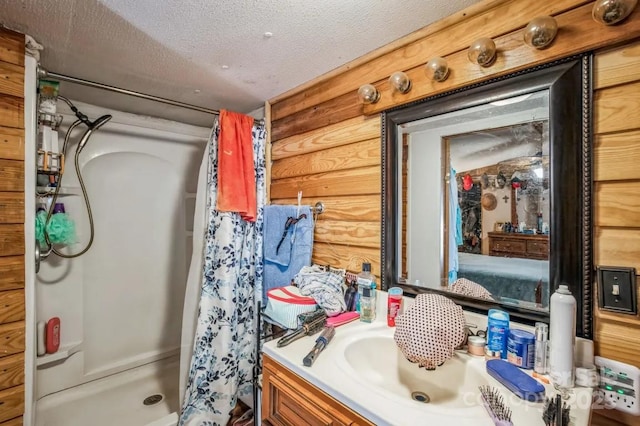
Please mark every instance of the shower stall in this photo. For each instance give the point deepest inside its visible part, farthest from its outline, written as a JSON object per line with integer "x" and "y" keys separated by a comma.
{"x": 120, "y": 304}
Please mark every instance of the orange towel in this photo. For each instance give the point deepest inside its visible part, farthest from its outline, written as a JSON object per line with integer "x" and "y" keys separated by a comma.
{"x": 236, "y": 172}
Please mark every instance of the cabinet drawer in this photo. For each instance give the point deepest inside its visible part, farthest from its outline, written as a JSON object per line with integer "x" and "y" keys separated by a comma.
{"x": 11, "y": 371}
{"x": 538, "y": 247}
{"x": 509, "y": 246}
{"x": 292, "y": 408}
{"x": 11, "y": 403}
{"x": 11, "y": 338}
{"x": 11, "y": 306}
{"x": 287, "y": 399}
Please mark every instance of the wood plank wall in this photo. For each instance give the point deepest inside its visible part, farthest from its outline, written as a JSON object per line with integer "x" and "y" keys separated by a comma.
{"x": 617, "y": 189}
{"x": 327, "y": 145}
{"x": 338, "y": 164}
{"x": 12, "y": 303}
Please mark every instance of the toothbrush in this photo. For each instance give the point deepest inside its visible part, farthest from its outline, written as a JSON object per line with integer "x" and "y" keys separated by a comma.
{"x": 495, "y": 406}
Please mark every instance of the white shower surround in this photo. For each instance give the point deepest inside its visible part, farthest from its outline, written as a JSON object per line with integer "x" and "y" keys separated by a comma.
{"x": 122, "y": 301}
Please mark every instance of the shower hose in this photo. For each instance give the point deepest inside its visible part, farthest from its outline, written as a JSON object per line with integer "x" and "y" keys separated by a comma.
{"x": 50, "y": 247}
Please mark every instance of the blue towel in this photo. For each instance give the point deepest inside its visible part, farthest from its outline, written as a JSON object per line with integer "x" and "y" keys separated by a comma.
{"x": 280, "y": 266}
{"x": 455, "y": 226}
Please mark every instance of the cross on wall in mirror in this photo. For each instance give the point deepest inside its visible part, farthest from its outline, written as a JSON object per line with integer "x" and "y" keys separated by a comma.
{"x": 505, "y": 198}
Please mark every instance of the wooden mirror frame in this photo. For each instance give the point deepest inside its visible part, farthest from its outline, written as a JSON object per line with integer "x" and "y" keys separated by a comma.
{"x": 570, "y": 240}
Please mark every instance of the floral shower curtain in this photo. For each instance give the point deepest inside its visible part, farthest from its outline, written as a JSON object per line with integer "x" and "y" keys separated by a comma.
{"x": 224, "y": 346}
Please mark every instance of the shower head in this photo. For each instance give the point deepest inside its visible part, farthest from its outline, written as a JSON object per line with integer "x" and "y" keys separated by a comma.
{"x": 95, "y": 125}
{"x": 100, "y": 121}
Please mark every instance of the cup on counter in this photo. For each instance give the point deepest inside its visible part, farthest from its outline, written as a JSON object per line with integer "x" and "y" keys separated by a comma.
{"x": 394, "y": 305}
{"x": 476, "y": 345}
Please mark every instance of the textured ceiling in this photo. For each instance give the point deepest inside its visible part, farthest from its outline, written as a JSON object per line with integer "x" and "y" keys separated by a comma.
{"x": 179, "y": 48}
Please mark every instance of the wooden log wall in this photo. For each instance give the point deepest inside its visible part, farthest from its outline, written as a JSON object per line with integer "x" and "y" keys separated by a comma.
{"x": 12, "y": 302}
{"x": 617, "y": 189}
{"x": 326, "y": 144}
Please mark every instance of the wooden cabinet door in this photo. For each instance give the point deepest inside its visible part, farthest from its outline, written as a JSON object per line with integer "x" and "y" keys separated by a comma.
{"x": 288, "y": 400}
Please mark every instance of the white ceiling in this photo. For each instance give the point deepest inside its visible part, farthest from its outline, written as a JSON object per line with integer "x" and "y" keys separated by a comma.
{"x": 172, "y": 48}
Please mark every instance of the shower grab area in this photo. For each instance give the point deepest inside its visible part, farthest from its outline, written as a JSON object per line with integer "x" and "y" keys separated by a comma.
{"x": 120, "y": 303}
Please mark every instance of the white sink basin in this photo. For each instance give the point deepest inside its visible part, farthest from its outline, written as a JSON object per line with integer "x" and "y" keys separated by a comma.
{"x": 375, "y": 359}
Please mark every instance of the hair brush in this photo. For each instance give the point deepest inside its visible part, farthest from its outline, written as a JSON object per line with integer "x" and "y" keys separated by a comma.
{"x": 494, "y": 403}
{"x": 312, "y": 323}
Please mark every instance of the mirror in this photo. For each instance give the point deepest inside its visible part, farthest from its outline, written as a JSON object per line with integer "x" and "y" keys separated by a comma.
{"x": 486, "y": 193}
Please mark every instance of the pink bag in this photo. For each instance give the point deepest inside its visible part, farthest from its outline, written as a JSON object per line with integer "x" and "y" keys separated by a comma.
{"x": 284, "y": 304}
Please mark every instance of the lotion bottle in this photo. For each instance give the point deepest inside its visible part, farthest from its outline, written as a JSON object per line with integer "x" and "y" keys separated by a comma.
{"x": 367, "y": 294}
{"x": 542, "y": 335}
{"x": 562, "y": 339}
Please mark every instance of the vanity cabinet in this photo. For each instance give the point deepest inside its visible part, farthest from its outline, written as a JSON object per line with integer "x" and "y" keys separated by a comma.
{"x": 527, "y": 246}
{"x": 288, "y": 400}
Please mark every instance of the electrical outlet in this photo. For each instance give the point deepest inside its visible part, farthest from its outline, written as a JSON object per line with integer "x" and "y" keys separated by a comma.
{"x": 619, "y": 385}
{"x": 617, "y": 289}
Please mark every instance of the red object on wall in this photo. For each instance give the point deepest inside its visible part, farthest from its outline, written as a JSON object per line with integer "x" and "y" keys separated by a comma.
{"x": 467, "y": 182}
{"x": 53, "y": 335}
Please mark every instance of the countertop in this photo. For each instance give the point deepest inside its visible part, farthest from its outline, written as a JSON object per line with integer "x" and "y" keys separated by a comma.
{"x": 331, "y": 374}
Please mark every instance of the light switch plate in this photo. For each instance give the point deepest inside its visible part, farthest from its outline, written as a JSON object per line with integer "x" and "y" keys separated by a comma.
{"x": 619, "y": 385}
{"x": 617, "y": 289}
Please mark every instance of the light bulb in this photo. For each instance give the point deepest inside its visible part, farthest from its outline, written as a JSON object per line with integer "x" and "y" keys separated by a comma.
{"x": 400, "y": 82}
{"x": 482, "y": 52}
{"x": 437, "y": 69}
{"x": 610, "y": 12}
{"x": 368, "y": 94}
{"x": 539, "y": 172}
{"x": 540, "y": 32}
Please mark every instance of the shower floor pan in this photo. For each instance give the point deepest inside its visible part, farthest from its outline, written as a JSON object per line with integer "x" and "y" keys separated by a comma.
{"x": 116, "y": 400}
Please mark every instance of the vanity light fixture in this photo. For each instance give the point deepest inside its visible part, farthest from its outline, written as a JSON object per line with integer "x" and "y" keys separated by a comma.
{"x": 400, "y": 82}
{"x": 482, "y": 52}
{"x": 368, "y": 94}
{"x": 437, "y": 69}
{"x": 610, "y": 12}
{"x": 540, "y": 32}
{"x": 539, "y": 172}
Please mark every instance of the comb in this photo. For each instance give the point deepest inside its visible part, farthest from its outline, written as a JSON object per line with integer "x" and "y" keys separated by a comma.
{"x": 495, "y": 406}
{"x": 555, "y": 413}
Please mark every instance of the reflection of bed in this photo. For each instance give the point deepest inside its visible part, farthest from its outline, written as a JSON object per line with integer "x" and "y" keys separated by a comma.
{"x": 508, "y": 277}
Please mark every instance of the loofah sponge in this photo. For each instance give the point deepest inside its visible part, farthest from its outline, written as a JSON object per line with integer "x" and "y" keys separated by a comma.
{"x": 61, "y": 229}
{"x": 41, "y": 218}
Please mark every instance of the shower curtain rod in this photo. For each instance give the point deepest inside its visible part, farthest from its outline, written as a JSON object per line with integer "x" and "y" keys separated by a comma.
{"x": 42, "y": 73}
